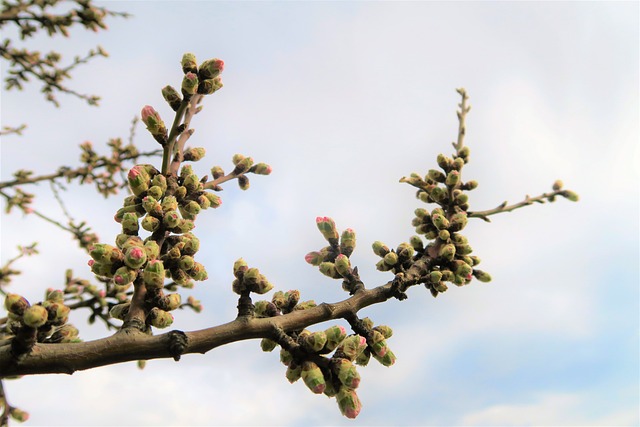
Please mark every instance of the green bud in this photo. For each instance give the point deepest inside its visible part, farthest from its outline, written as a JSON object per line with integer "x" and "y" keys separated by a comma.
{"x": 243, "y": 165}
{"x": 100, "y": 269}
{"x": 214, "y": 200}
{"x": 150, "y": 205}
{"x": 191, "y": 182}
{"x": 267, "y": 345}
{"x": 347, "y": 373}
{"x": 557, "y": 185}
{"x": 18, "y": 414}
{"x": 570, "y": 195}
{"x": 444, "y": 235}
{"x": 383, "y": 266}
{"x": 16, "y": 304}
{"x": 65, "y": 334}
{"x": 348, "y": 402}
{"x": 211, "y": 68}
{"x": 124, "y": 275}
{"x": 191, "y": 244}
{"x": 461, "y": 268}
{"x": 159, "y": 318}
{"x": 343, "y": 265}
{"x": 181, "y": 193}
{"x": 189, "y": 84}
{"x": 285, "y": 357}
{"x": 154, "y": 274}
{"x": 385, "y": 330}
{"x": 35, "y": 316}
{"x": 348, "y": 241}
{"x": 130, "y": 224}
{"x": 391, "y": 258}
{"x": 387, "y": 359}
{"x": 447, "y": 251}
{"x": 435, "y": 276}
{"x": 329, "y": 269}
{"x": 139, "y": 179}
{"x": 192, "y": 208}
{"x": 470, "y": 185}
{"x": 314, "y": 342}
{"x": 436, "y": 175}
{"x": 363, "y": 358}
{"x": 352, "y": 346}
{"x": 380, "y": 248}
{"x": 217, "y": 172}
{"x": 439, "y": 195}
{"x": 294, "y": 372}
{"x": 120, "y": 311}
{"x": 55, "y": 295}
{"x": 171, "y": 219}
{"x": 313, "y": 377}
{"x": 482, "y": 275}
{"x": 416, "y": 243}
{"x": 150, "y": 223}
{"x": 186, "y": 262}
{"x": 188, "y": 63}
{"x": 445, "y": 162}
{"x": 459, "y": 239}
{"x": 464, "y": 153}
{"x": 239, "y": 268}
{"x": 169, "y": 203}
{"x": 458, "y": 164}
{"x": 172, "y": 97}
{"x": 440, "y": 221}
{"x": 458, "y": 221}
{"x": 155, "y": 192}
{"x": 305, "y": 305}
{"x": 198, "y": 272}
{"x": 314, "y": 258}
{"x": 105, "y": 254}
{"x": 335, "y": 335}
{"x": 328, "y": 229}
{"x": 262, "y": 286}
{"x": 171, "y": 302}
{"x": 264, "y": 308}
{"x": 293, "y": 296}
{"x": 261, "y": 169}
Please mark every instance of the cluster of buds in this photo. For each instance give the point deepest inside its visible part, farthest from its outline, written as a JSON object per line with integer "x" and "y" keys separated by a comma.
{"x": 167, "y": 208}
{"x": 448, "y": 250}
{"x": 47, "y": 319}
{"x": 333, "y": 260}
{"x": 242, "y": 165}
{"x": 249, "y": 279}
{"x": 306, "y": 354}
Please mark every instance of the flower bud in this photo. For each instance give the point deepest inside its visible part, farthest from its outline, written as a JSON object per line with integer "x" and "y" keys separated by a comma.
{"x": 463, "y": 153}
{"x": 405, "y": 252}
{"x": 152, "y": 249}
{"x": 348, "y": 241}
{"x": 238, "y": 286}
{"x": 239, "y": 268}
{"x": 447, "y": 251}
{"x": 100, "y": 269}
{"x": 264, "y": 308}
{"x": 261, "y": 169}
{"x": 171, "y": 219}
{"x": 267, "y": 345}
{"x": 54, "y": 295}
{"x": 335, "y": 334}
{"x": 352, "y": 346}
{"x": 305, "y": 305}
{"x": 192, "y": 209}
{"x": 151, "y": 118}
{"x": 347, "y": 373}
{"x": 387, "y": 359}
{"x": 211, "y": 68}
{"x": 189, "y": 84}
{"x": 348, "y": 402}
{"x": 171, "y": 302}
{"x": 214, "y": 200}
{"x": 383, "y": 266}
{"x": 124, "y": 275}
{"x": 155, "y": 191}
{"x": 385, "y": 330}
{"x": 416, "y": 243}
{"x": 18, "y": 414}
{"x": 195, "y": 304}
{"x": 35, "y": 316}
{"x": 191, "y": 182}
{"x": 191, "y": 244}
{"x": 314, "y": 258}
{"x": 435, "y": 276}
{"x": 329, "y": 269}
{"x": 436, "y": 175}
{"x": 391, "y": 259}
{"x": 313, "y": 377}
{"x": 217, "y": 172}
{"x": 328, "y": 229}
{"x": 262, "y": 286}
{"x": 243, "y": 182}
{"x": 444, "y": 235}
{"x": 570, "y": 195}
{"x": 198, "y": 272}
{"x": 16, "y": 304}
{"x": 380, "y": 248}
{"x": 188, "y": 63}
{"x": 194, "y": 154}
{"x": 458, "y": 164}
{"x": 65, "y": 334}
{"x": 159, "y": 318}
{"x": 458, "y": 221}
{"x": 343, "y": 265}
{"x": 172, "y": 97}
{"x": 440, "y": 221}
{"x": 285, "y": 357}
{"x": 130, "y": 224}
{"x": 150, "y": 223}
{"x": 293, "y": 296}
{"x": 120, "y": 311}
{"x": 104, "y": 253}
{"x": 482, "y": 275}
{"x": 294, "y": 372}
{"x": 462, "y": 199}
{"x": 557, "y": 185}
{"x": 470, "y": 185}
{"x": 314, "y": 342}
{"x": 243, "y": 165}
{"x": 135, "y": 257}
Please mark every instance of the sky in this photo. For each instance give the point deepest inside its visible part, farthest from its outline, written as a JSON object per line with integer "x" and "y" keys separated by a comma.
{"x": 342, "y": 99}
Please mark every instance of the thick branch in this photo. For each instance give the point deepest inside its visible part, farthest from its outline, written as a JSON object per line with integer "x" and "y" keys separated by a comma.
{"x": 126, "y": 346}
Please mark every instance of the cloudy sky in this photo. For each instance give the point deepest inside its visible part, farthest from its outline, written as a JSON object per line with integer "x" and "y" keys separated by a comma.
{"x": 343, "y": 99}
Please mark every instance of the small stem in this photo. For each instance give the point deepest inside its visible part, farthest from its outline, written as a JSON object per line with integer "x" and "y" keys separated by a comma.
{"x": 168, "y": 147}
{"x": 503, "y": 207}
{"x": 462, "y": 114}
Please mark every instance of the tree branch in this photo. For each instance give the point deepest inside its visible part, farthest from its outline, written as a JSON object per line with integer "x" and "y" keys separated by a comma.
{"x": 127, "y": 345}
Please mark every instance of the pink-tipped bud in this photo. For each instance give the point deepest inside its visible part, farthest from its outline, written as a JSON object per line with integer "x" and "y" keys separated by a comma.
{"x": 135, "y": 257}
{"x": 328, "y": 229}
{"x": 348, "y": 402}
{"x": 151, "y": 118}
{"x": 313, "y": 377}
{"x": 347, "y": 373}
{"x": 211, "y": 68}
